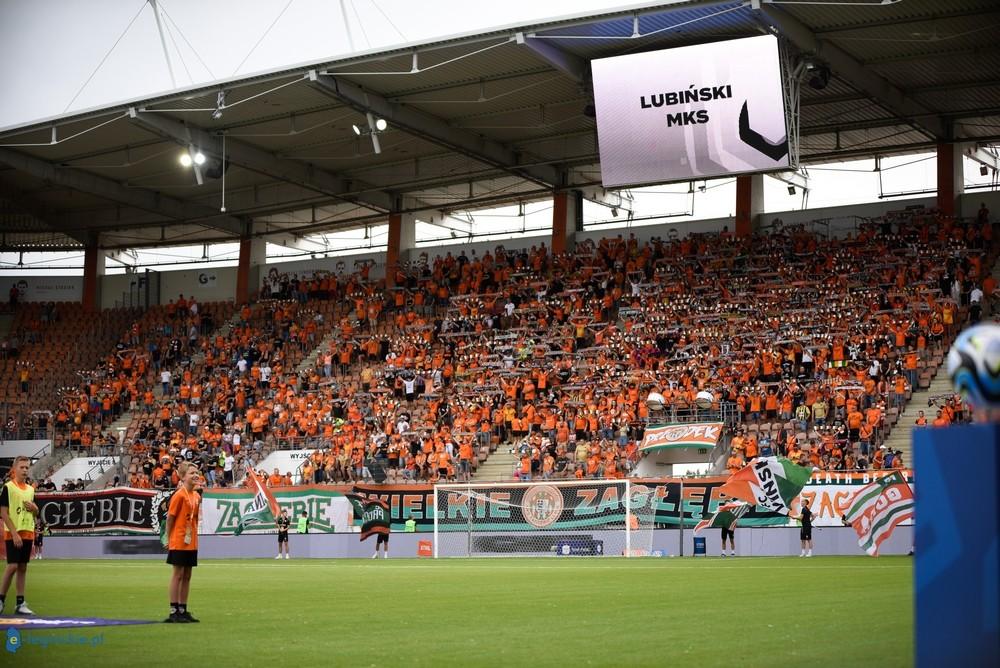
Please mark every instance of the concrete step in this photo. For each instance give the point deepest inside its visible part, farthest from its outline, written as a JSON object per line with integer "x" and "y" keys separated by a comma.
{"x": 901, "y": 437}
{"x": 49, "y": 463}
{"x": 309, "y": 361}
{"x": 498, "y": 466}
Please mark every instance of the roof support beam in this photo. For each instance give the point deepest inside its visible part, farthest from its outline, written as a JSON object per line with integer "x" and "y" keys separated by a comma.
{"x": 854, "y": 73}
{"x": 985, "y": 157}
{"x": 256, "y": 159}
{"x": 432, "y": 129}
{"x": 147, "y": 200}
{"x": 574, "y": 67}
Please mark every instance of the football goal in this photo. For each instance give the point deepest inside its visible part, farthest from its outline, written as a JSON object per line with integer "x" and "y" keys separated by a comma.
{"x": 606, "y": 518}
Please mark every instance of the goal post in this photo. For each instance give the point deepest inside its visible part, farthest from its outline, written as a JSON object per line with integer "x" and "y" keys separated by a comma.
{"x": 547, "y": 518}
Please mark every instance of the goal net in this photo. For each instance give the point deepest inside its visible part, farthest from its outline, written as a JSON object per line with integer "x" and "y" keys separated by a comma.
{"x": 566, "y": 518}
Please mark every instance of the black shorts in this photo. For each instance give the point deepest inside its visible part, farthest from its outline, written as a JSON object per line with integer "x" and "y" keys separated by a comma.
{"x": 380, "y": 539}
{"x": 806, "y": 533}
{"x": 728, "y": 533}
{"x": 282, "y": 537}
{"x": 38, "y": 540}
{"x": 19, "y": 555}
{"x": 185, "y": 558}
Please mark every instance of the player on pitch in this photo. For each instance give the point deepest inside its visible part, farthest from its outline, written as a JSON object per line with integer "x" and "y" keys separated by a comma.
{"x": 182, "y": 542}
{"x": 17, "y": 512}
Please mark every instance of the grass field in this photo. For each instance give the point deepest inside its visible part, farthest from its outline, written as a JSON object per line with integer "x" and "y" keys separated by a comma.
{"x": 824, "y": 611}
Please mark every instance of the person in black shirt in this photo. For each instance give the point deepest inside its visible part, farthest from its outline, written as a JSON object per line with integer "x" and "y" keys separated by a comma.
{"x": 283, "y": 522}
{"x": 806, "y": 532}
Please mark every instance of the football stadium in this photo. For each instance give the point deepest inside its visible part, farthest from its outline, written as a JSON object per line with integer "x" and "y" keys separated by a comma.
{"x": 363, "y": 332}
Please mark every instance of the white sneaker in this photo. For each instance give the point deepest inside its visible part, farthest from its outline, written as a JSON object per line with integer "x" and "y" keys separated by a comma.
{"x": 809, "y": 553}
{"x": 802, "y": 554}
{"x": 287, "y": 557}
{"x": 375, "y": 556}
{"x": 278, "y": 557}
{"x": 23, "y": 610}
{"x": 732, "y": 554}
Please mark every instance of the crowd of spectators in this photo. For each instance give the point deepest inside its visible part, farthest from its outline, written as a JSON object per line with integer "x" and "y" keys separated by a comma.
{"x": 805, "y": 344}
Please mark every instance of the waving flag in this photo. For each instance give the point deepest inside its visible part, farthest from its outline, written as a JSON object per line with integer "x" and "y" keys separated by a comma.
{"x": 374, "y": 514}
{"x": 263, "y": 509}
{"x": 726, "y": 517}
{"x": 878, "y": 508}
{"x": 771, "y": 482}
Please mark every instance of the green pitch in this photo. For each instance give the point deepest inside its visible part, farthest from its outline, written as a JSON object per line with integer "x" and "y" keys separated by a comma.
{"x": 824, "y": 611}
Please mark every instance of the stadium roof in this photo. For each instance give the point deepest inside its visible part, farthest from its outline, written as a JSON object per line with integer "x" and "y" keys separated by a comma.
{"x": 473, "y": 120}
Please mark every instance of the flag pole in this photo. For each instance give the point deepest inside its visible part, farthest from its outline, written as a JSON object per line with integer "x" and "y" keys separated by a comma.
{"x": 680, "y": 515}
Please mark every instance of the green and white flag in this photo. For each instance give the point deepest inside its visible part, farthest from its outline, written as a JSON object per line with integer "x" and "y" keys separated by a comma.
{"x": 877, "y": 509}
{"x": 263, "y": 509}
{"x": 726, "y": 517}
{"x": 770, "y": 482}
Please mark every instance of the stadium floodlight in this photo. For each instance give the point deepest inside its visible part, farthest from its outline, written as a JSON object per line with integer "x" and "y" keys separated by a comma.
{"x": 185, "y": 159}
{"x": 791, "y": 190}
{"x": 199, "y": 158}
{"x": 375, "y": 127}
{"x": 983, "y": 170}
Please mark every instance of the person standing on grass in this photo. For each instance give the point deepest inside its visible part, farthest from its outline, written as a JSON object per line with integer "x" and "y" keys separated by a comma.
{"x": 40, "y": 530}
{"x": 17, "y": 512}
{"x": 730, "y": 533}
{"x": 182, "y": 542}
{"x": 283, "y": 521}
{"x": 806, "y": 532}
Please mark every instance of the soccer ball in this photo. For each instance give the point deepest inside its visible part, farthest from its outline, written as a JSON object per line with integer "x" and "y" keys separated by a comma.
{"x": 655, "y": 401}
{"x": 704, "y": 399}
{"x": 974, "y": 365}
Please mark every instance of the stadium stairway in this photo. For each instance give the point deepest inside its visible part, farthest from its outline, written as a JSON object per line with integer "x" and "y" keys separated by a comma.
{"x": 50, "y": 463}
{"x": 309, "y": 361}
{"x": 900, "y": 438}
{"x": 499, "y": 466}
{"x": 117, "y": 429}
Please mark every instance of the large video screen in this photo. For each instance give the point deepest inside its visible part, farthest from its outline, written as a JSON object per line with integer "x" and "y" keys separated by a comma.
{"x": 692, "y": 112}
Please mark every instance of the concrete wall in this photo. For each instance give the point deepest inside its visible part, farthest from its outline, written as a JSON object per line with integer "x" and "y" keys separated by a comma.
{"x": 25, "y": 448}
{"x": 758, "y": 542}
{"x": 310, "y": 265}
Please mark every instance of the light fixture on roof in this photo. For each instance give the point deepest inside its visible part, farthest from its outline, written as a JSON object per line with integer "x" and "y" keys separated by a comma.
{"x": 375, "y": 127}
{"x": 983, "y": 170}
{"x": 614, "y": 211}
{"x": 791, "y": 190}
{"x": 187, "y": 158}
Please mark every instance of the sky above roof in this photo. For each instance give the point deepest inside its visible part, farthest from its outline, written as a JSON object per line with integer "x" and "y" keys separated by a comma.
{"x": 61, "y": 56}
